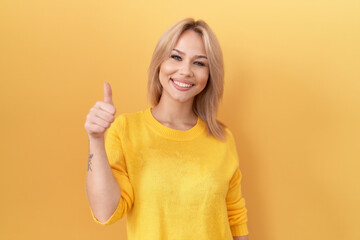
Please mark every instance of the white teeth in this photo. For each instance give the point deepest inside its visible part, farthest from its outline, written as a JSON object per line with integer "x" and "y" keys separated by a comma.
{"x": 182, "y": 84}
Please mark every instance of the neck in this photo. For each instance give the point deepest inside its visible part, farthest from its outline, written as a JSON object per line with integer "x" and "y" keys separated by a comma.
{"x": 170, "y": 110}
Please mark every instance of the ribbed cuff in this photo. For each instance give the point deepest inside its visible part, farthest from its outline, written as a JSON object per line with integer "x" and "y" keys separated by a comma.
{"x": 113, "y": 218}
{"x": 239, "y": 230}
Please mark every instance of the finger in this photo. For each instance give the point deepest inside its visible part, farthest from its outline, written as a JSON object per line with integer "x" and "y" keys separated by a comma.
{"x": 104, "y": 115}
{"x": 108, "y": 93}
{"x": 96, "y": 120}
{"x": 105, "y": 107}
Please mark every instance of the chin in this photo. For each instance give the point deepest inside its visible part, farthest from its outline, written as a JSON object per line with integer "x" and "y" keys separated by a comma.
{"x": 182, "y": 100}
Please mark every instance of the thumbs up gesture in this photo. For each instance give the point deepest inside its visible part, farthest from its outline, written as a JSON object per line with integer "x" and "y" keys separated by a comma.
{"x": 101, "y": 115}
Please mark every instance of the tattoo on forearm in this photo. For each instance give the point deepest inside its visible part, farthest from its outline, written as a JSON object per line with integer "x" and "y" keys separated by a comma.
{"x": 89, "y": 161}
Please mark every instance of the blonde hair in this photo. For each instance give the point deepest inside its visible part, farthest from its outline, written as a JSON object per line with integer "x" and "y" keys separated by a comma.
{"x": 206, "y": 102}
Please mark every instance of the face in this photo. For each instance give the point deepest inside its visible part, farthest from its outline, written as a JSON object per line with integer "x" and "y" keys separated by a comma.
{"x": 185, "y": 73}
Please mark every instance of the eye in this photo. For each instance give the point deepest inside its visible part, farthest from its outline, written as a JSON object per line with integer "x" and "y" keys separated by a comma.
{"x": 176, "y": 57}
{"x": 200, "y": 63}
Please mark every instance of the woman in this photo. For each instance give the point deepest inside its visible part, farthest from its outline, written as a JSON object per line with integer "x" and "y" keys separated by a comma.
{"x": 172, "y": 168}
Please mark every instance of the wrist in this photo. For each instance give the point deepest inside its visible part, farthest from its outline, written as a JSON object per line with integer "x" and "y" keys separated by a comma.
{"x": 96, "y": 139}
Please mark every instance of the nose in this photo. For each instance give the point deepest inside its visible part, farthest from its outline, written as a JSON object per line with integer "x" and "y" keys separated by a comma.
{"x": 185, "y": 69}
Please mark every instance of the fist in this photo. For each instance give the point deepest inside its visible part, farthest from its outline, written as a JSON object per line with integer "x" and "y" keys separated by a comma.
{"x": 101, "y": 115}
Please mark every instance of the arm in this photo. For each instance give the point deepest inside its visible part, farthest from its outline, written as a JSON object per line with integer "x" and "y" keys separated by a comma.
{"x": 242, "y": 237}
{"x": 102, "y": 189}
{"x": 236, "y": 207}
{"x": 107, "y": 172}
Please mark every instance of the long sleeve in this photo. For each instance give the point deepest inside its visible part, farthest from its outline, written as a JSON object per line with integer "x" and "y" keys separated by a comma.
{"x": 175, "y": 184}
{"x": 237, "y": 212}
{"x": 115, "y": 153}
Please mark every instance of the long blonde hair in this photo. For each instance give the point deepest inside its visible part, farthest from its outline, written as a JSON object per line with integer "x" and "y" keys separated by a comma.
{"x": 206, "y": 102}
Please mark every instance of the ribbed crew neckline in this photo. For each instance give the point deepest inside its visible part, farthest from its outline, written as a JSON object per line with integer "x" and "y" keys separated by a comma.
{"x": 174, "y": 134}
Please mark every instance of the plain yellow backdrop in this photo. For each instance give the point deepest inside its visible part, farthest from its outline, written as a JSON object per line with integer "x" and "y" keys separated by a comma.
{"x": 292, "y": 100}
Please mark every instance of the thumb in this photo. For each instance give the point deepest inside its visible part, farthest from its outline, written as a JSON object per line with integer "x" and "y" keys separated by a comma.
{"x": 108, "y": 93}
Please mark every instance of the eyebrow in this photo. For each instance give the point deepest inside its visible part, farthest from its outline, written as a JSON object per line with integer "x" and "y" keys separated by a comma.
{"x": 197, "y": 56}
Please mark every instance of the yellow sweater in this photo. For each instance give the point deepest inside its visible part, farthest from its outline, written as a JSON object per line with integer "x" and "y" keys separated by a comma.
{"x": 176, "y": 185}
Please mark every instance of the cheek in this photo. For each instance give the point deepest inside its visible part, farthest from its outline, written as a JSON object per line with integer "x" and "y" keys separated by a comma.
{"x": 166, "y": 68}
{"x": 203, "y": 77}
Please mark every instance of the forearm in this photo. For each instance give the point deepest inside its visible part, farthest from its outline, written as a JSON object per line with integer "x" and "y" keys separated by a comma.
{"x": 102, "y": 189}
{"x": 242, "y": 237}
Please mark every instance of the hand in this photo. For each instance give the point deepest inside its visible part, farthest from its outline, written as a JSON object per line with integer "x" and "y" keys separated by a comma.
{"x": 101, "y": 115}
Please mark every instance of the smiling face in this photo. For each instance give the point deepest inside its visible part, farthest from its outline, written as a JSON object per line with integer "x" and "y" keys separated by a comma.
{"x": 185, "y": 73}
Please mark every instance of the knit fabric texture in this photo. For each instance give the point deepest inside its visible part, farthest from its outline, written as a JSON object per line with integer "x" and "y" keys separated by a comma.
{"x": 175, "y": 184}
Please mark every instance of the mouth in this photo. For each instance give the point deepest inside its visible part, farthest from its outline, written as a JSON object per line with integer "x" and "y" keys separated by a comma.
{"x": 181, "y": 85}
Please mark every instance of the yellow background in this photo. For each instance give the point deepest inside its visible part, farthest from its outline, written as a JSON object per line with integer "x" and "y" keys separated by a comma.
{"x": 292, "y": 99}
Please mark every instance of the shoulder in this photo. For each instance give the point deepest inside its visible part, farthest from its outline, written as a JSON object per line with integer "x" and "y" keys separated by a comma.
{"x": 129, "y": 115}
{"x": 126, "y": 118}
{"x": 225, "y": 131}
{"x": 228, "y": 134}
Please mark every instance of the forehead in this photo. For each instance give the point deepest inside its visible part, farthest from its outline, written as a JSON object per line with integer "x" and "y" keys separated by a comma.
{"x": 191, "y": 42}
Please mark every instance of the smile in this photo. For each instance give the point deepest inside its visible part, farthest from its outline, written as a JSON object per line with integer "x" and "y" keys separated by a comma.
{"x": 181, "y": 86}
